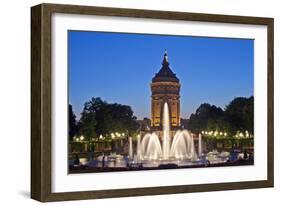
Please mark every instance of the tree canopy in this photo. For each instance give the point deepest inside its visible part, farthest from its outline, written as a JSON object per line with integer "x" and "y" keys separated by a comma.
{"x": 72, "y": 129}
{"x": 238, "y": 115}
{"x": 101, "y": 118}
{"x": 206, "y": 116}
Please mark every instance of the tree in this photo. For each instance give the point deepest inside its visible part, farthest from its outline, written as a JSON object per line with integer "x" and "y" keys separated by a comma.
{"x": 249, "y": 118}
{"x": 237, "y": 116}
{"x": 87, "y": 122}
{"x": 72, "y": 124}
{"x": 206, "y": 117}
{"x": 116, "y": 118}
{"x": 240, "y": 114}
{"x": 101, "y": 118}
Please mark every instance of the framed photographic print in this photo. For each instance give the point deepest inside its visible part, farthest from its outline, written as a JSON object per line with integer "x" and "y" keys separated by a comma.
{"x": 130, "y": 102}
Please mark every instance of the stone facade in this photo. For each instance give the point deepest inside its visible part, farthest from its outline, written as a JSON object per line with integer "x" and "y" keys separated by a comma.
{"x": 165, "y": 87}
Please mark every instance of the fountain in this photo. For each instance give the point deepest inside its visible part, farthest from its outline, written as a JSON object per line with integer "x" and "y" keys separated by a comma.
{"x": 200, "y": 145}
{"x": 166, "y": 132}
{"x": 150, "y": 147}
{"x": 130, "y": 148}
{"x": 138, "y": 146}
{"x": 165, "y": 151}
{"x": 182, "y": 148}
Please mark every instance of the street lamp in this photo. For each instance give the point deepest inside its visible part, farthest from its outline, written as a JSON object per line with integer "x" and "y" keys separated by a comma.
{"x": 74, "y": 138}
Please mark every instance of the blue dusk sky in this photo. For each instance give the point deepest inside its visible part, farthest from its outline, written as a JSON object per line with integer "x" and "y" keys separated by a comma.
{"x": 119, "y": 68}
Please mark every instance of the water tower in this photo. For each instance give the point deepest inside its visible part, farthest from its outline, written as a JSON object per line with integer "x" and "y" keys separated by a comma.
{"x": 165, "y": 87}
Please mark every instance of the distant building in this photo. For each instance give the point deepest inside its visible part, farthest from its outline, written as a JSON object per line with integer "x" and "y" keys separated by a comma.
{"x": 165, "y": 87}
{"x": 184, "y": 123}
{"x": 144, "y": 124}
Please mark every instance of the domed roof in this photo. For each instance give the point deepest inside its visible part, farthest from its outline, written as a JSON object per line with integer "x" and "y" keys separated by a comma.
{"x": 165, "y": 74}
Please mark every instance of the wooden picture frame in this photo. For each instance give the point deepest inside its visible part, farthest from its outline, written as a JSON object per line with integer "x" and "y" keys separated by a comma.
{"x": 41, "y": 116}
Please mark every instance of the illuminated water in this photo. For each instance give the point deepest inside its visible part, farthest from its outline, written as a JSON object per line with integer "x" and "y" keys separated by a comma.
{"x": 180, "y": 148}
{"x": 153, "y": 150}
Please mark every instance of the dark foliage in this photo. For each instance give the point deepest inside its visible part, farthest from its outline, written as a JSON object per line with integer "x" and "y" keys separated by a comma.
{"x": 72, "y": 126}
{"x": 237, "y": 116}
{"x": 240, "y": 114}
{"x": 101, "y": 118}
{"x": 206, "y": 116}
